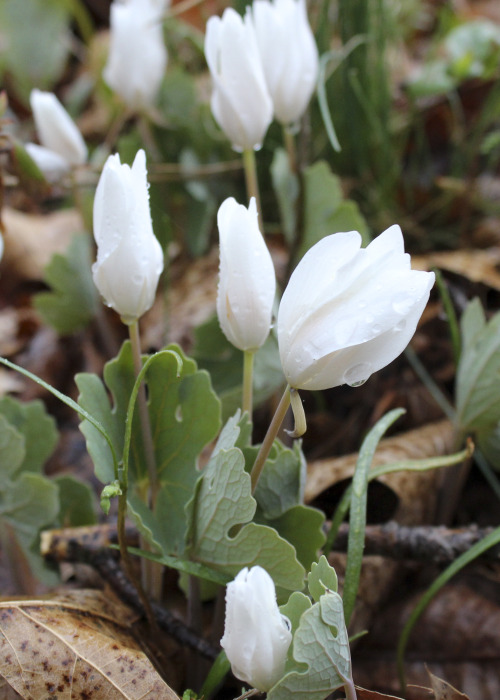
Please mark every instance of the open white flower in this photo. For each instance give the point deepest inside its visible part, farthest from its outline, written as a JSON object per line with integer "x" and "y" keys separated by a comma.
{"x": 247, "y": 281}
{"x": 288, "y": 53}
{"x": 256, "y": 635}
{"x": 62, "y": 145}
{"x": 129, "y": 257}
{"x": 240, "y": 101}
{"x": 349, "y": 311}
{"x": 137, "y": 53}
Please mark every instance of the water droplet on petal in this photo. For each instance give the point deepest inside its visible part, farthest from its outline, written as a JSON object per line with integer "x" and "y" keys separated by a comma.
{"x": 403, "y": 304}
{"x": 357, "y": 374}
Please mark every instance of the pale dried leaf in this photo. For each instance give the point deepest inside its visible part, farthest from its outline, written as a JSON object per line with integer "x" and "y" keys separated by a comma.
{"x": 416, "y": 490}
{"x": 32, "y": 239}
{"x": 364, "y": 694}
{"x": 443, "y": 690}
{"x": 474, "y": 265}
{"x": 76, "y": 646}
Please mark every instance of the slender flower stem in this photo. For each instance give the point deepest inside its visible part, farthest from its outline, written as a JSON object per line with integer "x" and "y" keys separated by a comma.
{"x": 291, "y": 150}
{"x": 252, "y": 184}
{"x": 152, "y": 573}
{"x": 147, "y": 434}
{"x": 247, "y": 403}
{"x": 350, "y": 691}
{"x": 271, "y": 434}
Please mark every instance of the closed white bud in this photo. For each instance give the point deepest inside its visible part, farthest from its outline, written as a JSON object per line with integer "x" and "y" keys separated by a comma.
{"x": 240, "y": 101}
{"x": 247, "y": 281}
{"x": 288, "y": 53}
{"x": 137, "y": 53}
{"x": 349, "y": 311}
{"x": 256, "y": 635}
{"x": 52, "y": 165}
{"x": 129, "y": 257}
{"x": 57, "y": 132}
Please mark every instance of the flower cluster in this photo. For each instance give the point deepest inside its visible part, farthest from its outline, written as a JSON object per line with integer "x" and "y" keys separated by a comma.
{"x": 347, "y": 311}
{"x": 262, "y": 65}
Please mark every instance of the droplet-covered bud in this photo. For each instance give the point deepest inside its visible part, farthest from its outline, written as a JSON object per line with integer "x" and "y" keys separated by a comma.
{"x": 256, "y": 635}
{"x": 129, "y": 257}
{"x": 247, "y": 281}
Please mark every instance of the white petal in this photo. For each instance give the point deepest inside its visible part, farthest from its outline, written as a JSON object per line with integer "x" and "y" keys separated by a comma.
{"x": 56, "y": 130}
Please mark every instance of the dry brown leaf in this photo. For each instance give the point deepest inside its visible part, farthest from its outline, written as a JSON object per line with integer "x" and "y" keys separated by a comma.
{"x": 443, "y": 690}
{"x": 474, "y": 265}
{"x": 416, "y": 492}
{"x": 32, "y": 239}
{"x": 458, "y": 637}
{"x": 75, "y": 646}
{"x": 364, "y": 694}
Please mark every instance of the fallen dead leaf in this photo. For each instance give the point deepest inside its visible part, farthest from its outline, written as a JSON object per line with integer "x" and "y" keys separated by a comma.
{"x": 364, "y": 694}
{"x": 416, "y": 501}
{"x": 78, "y": 645}
{"x": 443, "y": 690}
{"x": 474, "y": 265}
{"x": 416, "y": 491}
{"x": 32, "y": 239}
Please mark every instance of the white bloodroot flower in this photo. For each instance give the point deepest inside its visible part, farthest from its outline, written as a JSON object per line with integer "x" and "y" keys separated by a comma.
{"x": 240, "y": 102}
{"x": 349, "y": 311}
{"x": 247, "y": 281}
{"x": 256, "y": 635}
{"x": 137, "y": 54}
{"x": 62, "y": 145}
{"x": 129, "y": 256}
{"x": 288, "y": 53}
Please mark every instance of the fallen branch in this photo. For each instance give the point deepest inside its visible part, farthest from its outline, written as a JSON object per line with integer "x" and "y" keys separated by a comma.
{"x": 436, "y": 545}
{"x": 88, "y": 546}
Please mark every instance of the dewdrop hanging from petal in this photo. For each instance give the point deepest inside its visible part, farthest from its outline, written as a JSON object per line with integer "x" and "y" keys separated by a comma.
{"x": 240, "y": 102}
{"x": 349, "y": 311}
{"x": 256, "y": 635}
{"x": 129, "y": 257}
{"x": 288, "y": 53}
{"x": 247, "y": 281}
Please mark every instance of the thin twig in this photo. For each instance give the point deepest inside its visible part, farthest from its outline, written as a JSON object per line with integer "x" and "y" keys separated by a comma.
{"x": 104, "y": 561}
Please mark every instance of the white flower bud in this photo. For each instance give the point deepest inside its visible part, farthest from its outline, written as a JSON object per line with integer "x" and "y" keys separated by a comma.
{"x": 137, "y": 54}
{"x": 240, "y": 100}
{"x": 349, "y": 311}
{"x": 247, "y": 281}
{"x": 56, "y": 130}
{"x": 256, "y": 635}
{"x": 52, "y": 165}
{"x": 129, "y": 257}
{"x": 288, "y": 53}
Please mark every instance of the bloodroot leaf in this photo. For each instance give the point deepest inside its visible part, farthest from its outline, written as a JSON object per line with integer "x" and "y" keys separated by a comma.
{"x": 76, "y": 646}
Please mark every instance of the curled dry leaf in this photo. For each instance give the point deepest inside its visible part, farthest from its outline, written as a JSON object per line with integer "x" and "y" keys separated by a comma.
{"x": 32, "y": 239}
{"x": 416, "y": 503}
{"x": 364, "y": 694}
{"x": 443, "y": 690}
{"x": 75, "y": 646}
{"x": 474, "y": 265}
{"x": 416, "y": 491}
